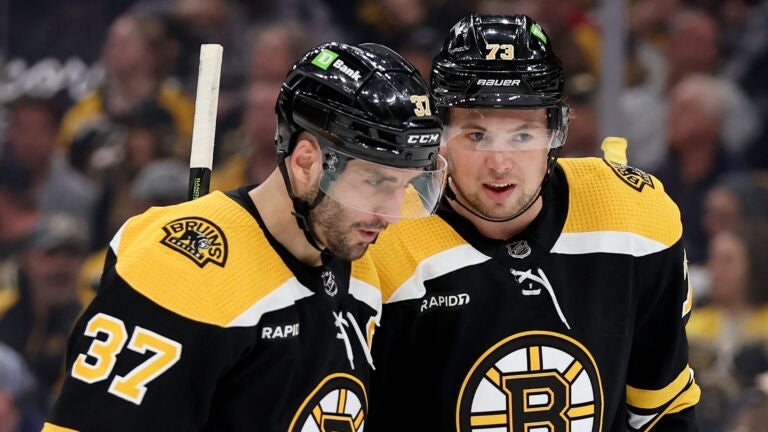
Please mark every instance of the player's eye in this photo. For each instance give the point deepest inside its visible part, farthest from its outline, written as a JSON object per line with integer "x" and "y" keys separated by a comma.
{"x": 523, "y": 137}
{"x": 476, "y": 136}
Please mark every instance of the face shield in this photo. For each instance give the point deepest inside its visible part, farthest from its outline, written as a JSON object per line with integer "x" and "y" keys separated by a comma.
{"x": 382, "y": 190}
{"x": 504, "y": 129}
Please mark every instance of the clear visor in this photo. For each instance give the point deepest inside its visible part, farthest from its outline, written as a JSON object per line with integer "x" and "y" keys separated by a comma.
{"x": 380, "y": 189}
{"x": 502, "y": 130}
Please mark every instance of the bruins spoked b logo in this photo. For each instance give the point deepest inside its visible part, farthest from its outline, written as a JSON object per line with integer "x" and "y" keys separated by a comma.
{"x": 198, "y": 239}
{"x": 338, "y": 404}
{"x": 533, "y": 381}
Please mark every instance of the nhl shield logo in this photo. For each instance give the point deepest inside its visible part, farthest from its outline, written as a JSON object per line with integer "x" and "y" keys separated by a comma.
{"x": 198, "y": 239}
{"x": 632, "y": 176}
{"x": 518, "y": 249}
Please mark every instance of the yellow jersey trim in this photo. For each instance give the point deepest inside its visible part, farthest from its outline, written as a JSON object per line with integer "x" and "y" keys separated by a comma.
{"x": 245, "y": 279}
{"x": 654, "y": 399}
{"x": 620, "y": 207}
{"x": 403, "y": 264}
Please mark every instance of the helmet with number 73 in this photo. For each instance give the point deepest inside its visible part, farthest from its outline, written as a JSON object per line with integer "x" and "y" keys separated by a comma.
{"x": 494, "y": 61}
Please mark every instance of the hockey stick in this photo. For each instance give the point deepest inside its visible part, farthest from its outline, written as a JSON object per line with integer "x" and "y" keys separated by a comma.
{"x": 204, "y": 126}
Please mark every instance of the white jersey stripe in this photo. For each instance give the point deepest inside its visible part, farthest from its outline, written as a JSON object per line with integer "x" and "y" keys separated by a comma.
{"x": 367, "y": 294}
{"x": 283, "y": 296}
{"x": 616, "y": 242}
{"x": 437, "y": 265}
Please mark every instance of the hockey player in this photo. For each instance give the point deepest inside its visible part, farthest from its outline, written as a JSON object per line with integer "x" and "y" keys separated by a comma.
{"x": 226, "y": 313}
{"x": 545, "y": 294}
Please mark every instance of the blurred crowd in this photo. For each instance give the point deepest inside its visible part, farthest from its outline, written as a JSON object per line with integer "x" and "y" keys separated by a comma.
{"x": 96, "y": 108}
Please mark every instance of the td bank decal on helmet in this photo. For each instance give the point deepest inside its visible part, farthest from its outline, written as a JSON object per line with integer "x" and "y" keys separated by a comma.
{"x": 532, "y": 379}
{"x": 198, "y": 239}
{"x": 325, "y": 58}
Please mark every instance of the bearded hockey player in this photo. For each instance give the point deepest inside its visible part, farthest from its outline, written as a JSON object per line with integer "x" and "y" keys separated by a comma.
{"x": 227, "y": 313}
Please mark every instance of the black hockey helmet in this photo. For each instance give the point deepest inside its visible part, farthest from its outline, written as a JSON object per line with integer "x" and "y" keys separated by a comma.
{"x": 362, "y": 103}
{"x": 366, "y": 101}
{"x": 495, "y": 61}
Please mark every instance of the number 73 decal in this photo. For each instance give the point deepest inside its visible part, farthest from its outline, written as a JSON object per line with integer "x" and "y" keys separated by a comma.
{"x": 103, "y": 356}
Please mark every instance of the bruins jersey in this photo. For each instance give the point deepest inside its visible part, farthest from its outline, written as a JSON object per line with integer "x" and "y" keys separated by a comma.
{"x": 203, "y": 322}
{"x": 575, "y": 324}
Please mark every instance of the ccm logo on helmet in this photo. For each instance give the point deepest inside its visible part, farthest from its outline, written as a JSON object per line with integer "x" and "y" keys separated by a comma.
{"x": 498, "y": 82}
{"x": 430, "y": 138}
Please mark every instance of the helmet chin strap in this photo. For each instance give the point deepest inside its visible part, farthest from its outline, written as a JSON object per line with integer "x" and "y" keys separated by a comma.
{"x": 301, "y": 208}
{"x": 451, "y": 195}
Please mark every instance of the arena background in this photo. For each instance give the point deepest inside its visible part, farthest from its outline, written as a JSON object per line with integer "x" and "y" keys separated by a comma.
{"x": 95, "y": 122}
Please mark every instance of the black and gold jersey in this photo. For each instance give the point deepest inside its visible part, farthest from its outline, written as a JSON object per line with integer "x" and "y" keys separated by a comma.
{"x": 576, "y": 324}
{"x": 203, "y": 322}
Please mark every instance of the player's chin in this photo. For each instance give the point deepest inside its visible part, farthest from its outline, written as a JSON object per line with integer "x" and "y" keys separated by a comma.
{"x": 505, "y": 210}
{"x": 356, "y": 251}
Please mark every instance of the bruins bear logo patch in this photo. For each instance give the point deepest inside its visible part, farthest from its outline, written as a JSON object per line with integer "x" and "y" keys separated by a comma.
{"x": 634, "y": 177}
{"x": 198, "y": 239}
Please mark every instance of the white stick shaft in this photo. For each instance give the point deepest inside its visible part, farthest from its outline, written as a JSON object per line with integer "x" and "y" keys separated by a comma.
{"x": 206, "y": 104}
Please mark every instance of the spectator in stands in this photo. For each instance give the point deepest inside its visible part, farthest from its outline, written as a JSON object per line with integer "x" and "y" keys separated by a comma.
{"x": 34, "y": 169}
{"x": 144, "y": 137}
{"x": 729, "y": 337}
{"x": 138, "y": 58}
{"x": 666, "y": 63}
{"x": 697, "y": 157}
{"x": 38, "y": 311}
{"x": 16, "y": 385}
{"x": 735, "y": 200}
{"x": 250, "y": 155}
{"x": 17, "y": 220}
{"x": 273, "y": 48}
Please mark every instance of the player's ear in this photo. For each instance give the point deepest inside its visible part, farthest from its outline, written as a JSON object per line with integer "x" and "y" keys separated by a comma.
{"x": 305, "y": 161}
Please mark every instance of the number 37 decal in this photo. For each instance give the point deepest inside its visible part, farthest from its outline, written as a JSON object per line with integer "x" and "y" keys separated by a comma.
{"x": 98, "y": 363}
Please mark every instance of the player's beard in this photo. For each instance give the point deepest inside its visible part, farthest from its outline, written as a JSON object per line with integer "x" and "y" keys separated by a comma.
{"x": 489, "y": 210}
{"x": 332, "y": 219}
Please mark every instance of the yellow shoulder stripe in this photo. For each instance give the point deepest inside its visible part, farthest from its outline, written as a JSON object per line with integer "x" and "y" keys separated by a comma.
{"x": 219, "y": 281}
{"x": 621, "y": 204}
{"x": 416, "y": 250}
